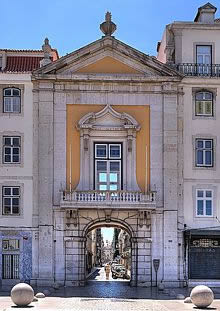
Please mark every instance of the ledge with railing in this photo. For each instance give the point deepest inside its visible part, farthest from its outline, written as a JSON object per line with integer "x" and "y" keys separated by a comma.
{"x": 91, "y": 199}
{"x": 201, "y": 70}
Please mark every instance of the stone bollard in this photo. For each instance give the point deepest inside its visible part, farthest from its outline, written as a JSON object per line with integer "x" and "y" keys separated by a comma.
{"x": 40, "y": 295}
{"x": 22, "y": 294}
{"x": 187, "y": 300}
{"x": 201, "y": 296}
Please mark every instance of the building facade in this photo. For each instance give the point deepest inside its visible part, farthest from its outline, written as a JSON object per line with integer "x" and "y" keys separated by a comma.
{"x": 118, "y": 139}
{"x": 18, "y": 218}
{"x": 108, "y": 147}
{"x": 194, "y": 49}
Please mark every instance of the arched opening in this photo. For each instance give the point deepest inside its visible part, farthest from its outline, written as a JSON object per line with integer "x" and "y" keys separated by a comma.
{"x": 109, "y": 252}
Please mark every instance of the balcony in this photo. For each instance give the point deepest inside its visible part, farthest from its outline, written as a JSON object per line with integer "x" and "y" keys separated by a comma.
{"x": 199, "y": 70}
{"x": 108, "y": 199}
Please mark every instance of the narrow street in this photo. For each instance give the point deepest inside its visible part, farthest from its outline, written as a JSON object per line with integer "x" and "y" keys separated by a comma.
{"x": 99, "y": 275}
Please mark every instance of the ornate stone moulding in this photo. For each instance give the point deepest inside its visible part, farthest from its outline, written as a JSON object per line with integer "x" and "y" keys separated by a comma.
{"x": 108, "y": 120}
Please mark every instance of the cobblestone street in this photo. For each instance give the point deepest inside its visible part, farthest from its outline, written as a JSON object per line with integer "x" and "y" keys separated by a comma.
{"x": 111, "y": 295}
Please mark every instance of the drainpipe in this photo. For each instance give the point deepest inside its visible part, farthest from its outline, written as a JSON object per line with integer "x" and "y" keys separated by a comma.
{"x": 136, "y": 262}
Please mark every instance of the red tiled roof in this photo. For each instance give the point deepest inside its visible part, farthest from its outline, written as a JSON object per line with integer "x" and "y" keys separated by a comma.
{"x": 22, "y": 63}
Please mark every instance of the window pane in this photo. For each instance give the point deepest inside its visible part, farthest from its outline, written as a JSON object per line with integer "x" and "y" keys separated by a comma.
{"x": 200, "y": 193}
{"x": 113, "y": 187}
{"x": 15, "y": 158}
{"x": 199, "y": 107}
{"x": 16, "y": 92}
{"x": 16, "y": 151}
{"x": 208, "y": 96}
{"x": 5, "y": 244}
{"x": 199, "y": 59}
{"x": 16, "y": 141}
{"x": 7, "y": 150}
{"x": 207, "y": 59}
{"x": 199, "y": 207}
{"x": 208, "y": 207}
{"x": 7, "y": 210}
{"x": 7, "y": 92}
{"x": 199, "y": 96}
{"x": 15, "y": 191}
{"x": 15, "y": 209}
{"x": 204, "y": 49}
{"x": 102, "y": 177}
{"x": 7, "y": 141}
{"x": 13, "y": 244}
{"x": 15, "y": 201}
{"x": 16, "y": 104}
{"x": 7, "y": 159}
{"x": 199, "y": 157}
{"x": 101, "y": 166}
{"x": 7, "y": 104}
{"x": 113, "y": 177}
{"x": 208, "y": 194}
{"x": 103, "y": 187}
{"x": 208, "y": 157}
{"x": 7, "y": 191}
{"x": 200, "y": 143}
{"x": 208, "y": 144}
{"x": 7, "y": 201}
{"x": 115, "y": 151}
{"x": 114, "y": 166}
{"x": 101, "y": 151}
{"x": 208, "y": 108}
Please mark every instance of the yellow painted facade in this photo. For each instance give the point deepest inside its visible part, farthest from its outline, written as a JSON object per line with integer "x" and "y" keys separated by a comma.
{"x": 140, "y": 113}
{"x": 108, "y": 65}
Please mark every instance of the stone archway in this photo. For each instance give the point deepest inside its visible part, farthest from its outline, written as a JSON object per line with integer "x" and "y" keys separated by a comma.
{"x": 116, "y": 223}
{"x": 85, "y": 220}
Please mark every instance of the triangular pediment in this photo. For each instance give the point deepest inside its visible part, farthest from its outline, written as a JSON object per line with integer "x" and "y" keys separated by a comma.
{"x": 107, "y": 56}
{"x": 108, "y": 65}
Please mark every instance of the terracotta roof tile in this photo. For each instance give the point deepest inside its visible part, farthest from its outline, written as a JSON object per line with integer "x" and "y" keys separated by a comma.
{"x": 22, "y": 63}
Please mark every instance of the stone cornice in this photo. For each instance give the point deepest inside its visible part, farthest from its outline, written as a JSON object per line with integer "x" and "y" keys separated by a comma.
{"x": 105, "y": 78}
{"x": 191, "y": 25}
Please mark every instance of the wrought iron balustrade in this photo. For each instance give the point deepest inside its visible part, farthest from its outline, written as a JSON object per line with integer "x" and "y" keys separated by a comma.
{"x": 109, "y": 197}
{"x": 203, "y": 70}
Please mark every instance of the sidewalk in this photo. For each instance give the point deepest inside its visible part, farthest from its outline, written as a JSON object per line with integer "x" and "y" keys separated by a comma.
{"x": 111, "y": 304}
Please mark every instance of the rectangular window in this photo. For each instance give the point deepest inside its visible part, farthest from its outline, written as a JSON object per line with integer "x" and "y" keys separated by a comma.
{"x": 10, "y": 245}
{"x": 12, "y": 100}
{"x": 204, "y": 59}
{"x": 204, "y": 202}
{"x": 204, "y": 54}
{"x": 11, "y": 200}
{"x": 204, "y": 152}
{"x": 204, "y": 104}
{"x": 108, "y": 167}
{"x": 11, "y": 149}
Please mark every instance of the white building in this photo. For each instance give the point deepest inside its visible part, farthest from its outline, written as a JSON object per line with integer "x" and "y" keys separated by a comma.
{"x": 18, "y": 218}
{"x": 194, "y": 48}
{"x": 107, "y": 136}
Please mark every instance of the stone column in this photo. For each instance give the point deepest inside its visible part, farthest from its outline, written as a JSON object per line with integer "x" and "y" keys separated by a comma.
{"x": 45, "y": 184}
{"x": 170, "y": 178}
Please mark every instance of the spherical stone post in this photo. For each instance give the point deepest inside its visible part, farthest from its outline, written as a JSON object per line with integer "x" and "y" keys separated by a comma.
{"x": 22, "y": 294}
{"x": 201, "y": 296}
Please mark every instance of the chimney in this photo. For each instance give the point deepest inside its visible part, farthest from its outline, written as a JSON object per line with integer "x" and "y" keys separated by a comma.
{"x": 206, "y": 14}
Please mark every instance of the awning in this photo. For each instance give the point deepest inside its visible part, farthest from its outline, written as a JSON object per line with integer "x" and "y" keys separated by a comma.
{"x": 202, "y": 232}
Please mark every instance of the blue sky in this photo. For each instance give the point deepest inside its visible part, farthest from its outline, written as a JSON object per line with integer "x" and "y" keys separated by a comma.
{"x": 107, "y": 234}
{"x": 71, "y": 24}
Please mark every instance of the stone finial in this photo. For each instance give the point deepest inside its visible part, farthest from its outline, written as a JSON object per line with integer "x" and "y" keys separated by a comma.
{"x": 47, "y": 50}
{"x": 108, "y": 27}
